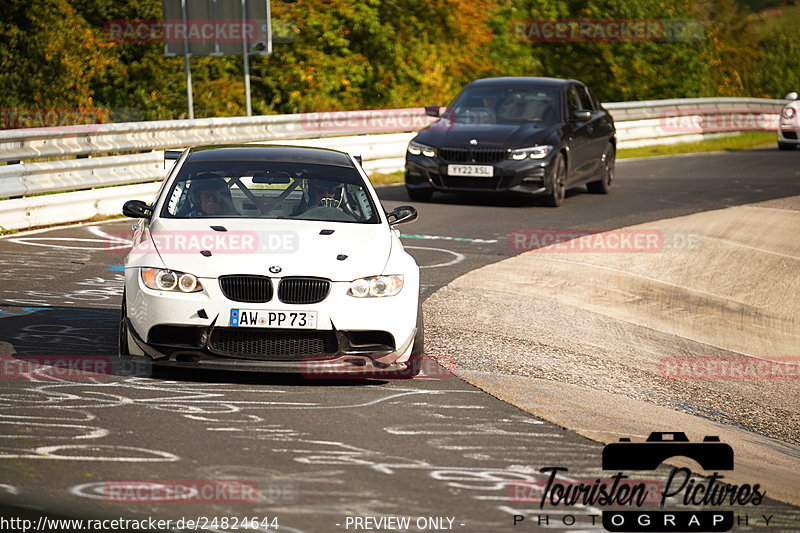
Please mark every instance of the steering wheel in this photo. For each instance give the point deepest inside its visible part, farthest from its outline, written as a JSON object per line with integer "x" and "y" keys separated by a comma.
{"x": 331, "y": 214}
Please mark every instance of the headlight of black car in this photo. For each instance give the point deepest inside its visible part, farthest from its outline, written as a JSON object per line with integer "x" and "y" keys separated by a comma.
{"x": 534, "y": 152}
{"x": 417, "y": 149}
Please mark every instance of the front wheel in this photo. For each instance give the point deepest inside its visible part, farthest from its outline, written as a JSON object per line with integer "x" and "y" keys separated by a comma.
{"x": 414, "y": 363}
{"x": 123, "y": 348}
{"x": 603, "y": 185}
{"x": 558, "y": 188}
{"x": 786, "y": 146}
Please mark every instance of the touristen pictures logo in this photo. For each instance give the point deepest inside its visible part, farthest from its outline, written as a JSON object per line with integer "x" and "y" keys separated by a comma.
{"x": 682, "y": 502}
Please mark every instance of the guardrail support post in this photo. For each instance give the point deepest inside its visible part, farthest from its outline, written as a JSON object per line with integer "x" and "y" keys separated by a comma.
{"x": 246, "y": 60}
{"x": 186, "y": 63}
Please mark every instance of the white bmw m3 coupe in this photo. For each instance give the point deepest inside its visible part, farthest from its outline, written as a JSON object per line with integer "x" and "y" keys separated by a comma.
{"x": 271, "y": 258}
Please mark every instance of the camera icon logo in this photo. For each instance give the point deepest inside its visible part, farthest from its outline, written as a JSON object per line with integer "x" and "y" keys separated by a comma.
{"x": 711, "y": 454}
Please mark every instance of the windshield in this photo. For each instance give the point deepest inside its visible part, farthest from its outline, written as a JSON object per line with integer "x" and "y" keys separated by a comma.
{"x": 269, "y": 189}
{"x": 511, "y": 105}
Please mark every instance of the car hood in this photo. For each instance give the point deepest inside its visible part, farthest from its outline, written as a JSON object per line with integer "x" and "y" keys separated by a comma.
{"x": 251, "y": 246}
{"x": 448, "y": 133}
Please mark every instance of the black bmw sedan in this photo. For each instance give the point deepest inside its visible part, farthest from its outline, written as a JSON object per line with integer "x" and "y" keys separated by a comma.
{"x": 535, "y": 136}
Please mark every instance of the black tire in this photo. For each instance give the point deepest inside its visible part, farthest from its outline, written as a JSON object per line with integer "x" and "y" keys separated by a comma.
{"x": 418, "y": 350}
{"x": 123, "y": 350}
{"x": 558, "y": 188}
{"x": 603, "y": 185}
{"x": 129, "y": 365}
{"x": 786, "y": 146}
{"x": 419, "y": 195}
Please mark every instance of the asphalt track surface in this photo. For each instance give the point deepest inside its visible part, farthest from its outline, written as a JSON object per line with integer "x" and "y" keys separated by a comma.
{"x": 318, "y": 451}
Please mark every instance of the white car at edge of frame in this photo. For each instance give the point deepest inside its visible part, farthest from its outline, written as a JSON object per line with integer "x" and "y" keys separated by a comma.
{"x": 271, "y": 258}
{"x": 789, "y": 128}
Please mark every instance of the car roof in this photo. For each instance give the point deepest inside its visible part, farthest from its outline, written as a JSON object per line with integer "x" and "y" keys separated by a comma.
{"x": 263, "y": 152}
{"x": 511, "y": 81}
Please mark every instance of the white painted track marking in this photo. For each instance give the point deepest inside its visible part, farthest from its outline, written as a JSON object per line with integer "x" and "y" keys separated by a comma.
{"x": 458, "y": 257}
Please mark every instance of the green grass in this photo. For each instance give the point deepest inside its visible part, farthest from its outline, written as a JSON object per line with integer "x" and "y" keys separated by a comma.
{"x": 742, "y": 141}
{"x": 392, "y": 178}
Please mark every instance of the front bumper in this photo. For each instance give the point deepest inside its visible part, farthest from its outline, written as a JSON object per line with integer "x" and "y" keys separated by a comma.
{"x": 194, "y": 348}
{"x": 528, "y": 176}
{"x": 789, "y": 135}
{"x": 353, "y": 335}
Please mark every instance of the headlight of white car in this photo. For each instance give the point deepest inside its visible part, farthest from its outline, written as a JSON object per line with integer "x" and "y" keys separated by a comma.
{"x": 160, "y": 279}
{"x": 417, "y": 148}
{"x": 534, "y": 152}
{"x": 376, "y": 286}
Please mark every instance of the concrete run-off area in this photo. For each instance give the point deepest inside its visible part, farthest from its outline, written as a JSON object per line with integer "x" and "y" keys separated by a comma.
{"x": 696, "y": 333}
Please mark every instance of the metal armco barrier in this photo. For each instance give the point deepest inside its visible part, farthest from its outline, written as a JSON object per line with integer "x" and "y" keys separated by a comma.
{"x": 380, "y": 136}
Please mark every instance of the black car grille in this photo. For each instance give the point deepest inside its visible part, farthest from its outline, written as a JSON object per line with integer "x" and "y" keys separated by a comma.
{"x": 249, "y": 289}
{"x": 250, "y": 343}
{"x": 303, "y": 290}
{"x": 475, "y": 154}
{"x": 790, "y": 135}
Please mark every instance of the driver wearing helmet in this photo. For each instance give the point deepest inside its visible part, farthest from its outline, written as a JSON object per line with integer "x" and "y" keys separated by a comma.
{"x": 319, "y": 193}
{"x": 210, "y": 196}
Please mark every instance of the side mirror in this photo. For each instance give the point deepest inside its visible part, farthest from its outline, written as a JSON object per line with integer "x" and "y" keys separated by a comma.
{"x": 432, "y": 110}
{"x": 359, "y": 159}
{"x": 791, "y": 96}
{"x": 137, "y": 209}
{"x": 402, "y": 214}
{"x": 581, "y": 114}
{"x": 171, "y": 155}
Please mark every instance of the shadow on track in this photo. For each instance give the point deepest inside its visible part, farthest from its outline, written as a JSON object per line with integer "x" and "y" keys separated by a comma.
{"x": 74, "y": 342}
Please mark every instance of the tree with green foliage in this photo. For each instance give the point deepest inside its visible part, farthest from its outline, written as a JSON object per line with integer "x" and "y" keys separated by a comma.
{"x": 364, "y": 54}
